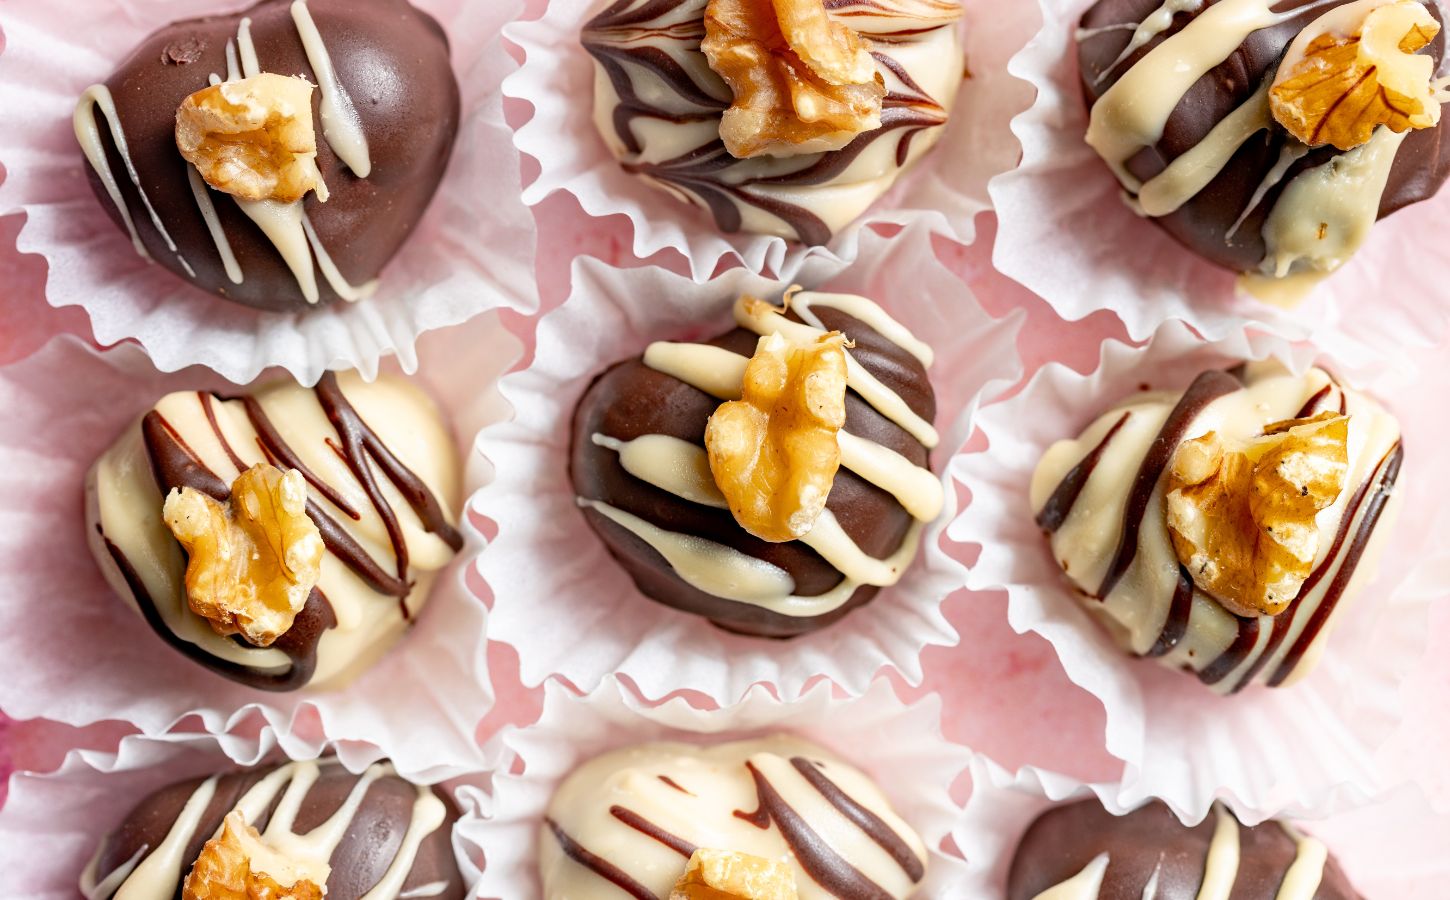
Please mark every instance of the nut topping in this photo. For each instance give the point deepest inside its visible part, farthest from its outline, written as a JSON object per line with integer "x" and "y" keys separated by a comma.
{"x": 238, "y": 865}
{"x": 253, "y": 138}
{"x": 1339, "y": 89}
{"x": 802, "y": 82}
{"x": 252, "y": 560}
{"x": 1243, "y": 516}
{"x": 774, "y": 452}
{"x": 729, "y": 875}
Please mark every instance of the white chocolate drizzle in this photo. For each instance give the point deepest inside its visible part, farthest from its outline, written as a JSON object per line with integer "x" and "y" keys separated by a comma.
{"x": 1157, "y": 22}
{"x": 1302, "y": 880}
{"x": 1190, "y": 173}
{"x": 158, "y": 875}
{"x": 1290, "y": 153}
{"x": 1085, "y": 885}
{"x": 1221, "y": 869}
{"x": 340, "y": 123}
{"x": 286, "y": 226}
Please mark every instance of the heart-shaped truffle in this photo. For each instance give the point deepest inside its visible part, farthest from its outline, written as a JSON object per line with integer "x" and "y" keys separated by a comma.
{"x": 385, "y": 110}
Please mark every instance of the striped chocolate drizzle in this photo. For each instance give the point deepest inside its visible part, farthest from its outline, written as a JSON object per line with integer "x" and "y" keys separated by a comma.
{"x": 598, "y": 864}
{"x": 862, "y": 818}
{"x": 1064, "y": 498}
{"x": 176, "y": 465}
{"x": 618, "y": 40}
{"x": 651, "y": 830}
{"x": 1205, "y": 389}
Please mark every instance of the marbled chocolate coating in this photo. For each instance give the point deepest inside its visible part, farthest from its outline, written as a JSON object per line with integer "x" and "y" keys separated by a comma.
{"x": 1085, "y": 853}
{"x": 644, "y": 398}
{"x": 395, "y": 837}
{"x": 392, "y": 64}
{"x": 1225, "y": 221}
{"x": 658, "y": 105}
{"x": 1100, "y": 500}
{"x": 382, "y": 482}
{"x": 624, "y": 824}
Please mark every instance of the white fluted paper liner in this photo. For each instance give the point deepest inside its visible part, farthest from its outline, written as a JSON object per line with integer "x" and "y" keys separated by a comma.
{"x": 473, "y": 250}
{"x": 901, "y": 747}
{"x": 570, "y": 610}
{"x": 1302, "y": 750}
{"x": 1063, "y": 227}
{"x": 1392, "y": 848}
{"x": 80, "y": 655}
{"x": 52, "y": 823}
{"x": 945, "y": 190}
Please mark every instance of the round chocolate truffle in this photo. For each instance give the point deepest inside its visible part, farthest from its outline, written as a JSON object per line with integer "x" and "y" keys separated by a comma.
{"x": 1224, "y": 177}
{"x": 639, "y": 468}
{"x": 395, "y": 837}
{"x": 1084, "y": 851}
{"x": 384, "y": 112}
{"x": 720, "y": 105}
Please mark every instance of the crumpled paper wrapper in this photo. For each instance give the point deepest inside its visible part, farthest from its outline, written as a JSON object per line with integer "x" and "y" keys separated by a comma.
{"x": 53, "y": 823}
{"x": 1064, "y": 226}
{"x": 472, "y": 252}
{"x": 945, "y": 190}
{"x": 899, "y": 746}
{"x": 1392, "y": 848}
{"x": 570, "y": 610}
{"x": 1304, "y": 750}
{"x": 88, "y": 657}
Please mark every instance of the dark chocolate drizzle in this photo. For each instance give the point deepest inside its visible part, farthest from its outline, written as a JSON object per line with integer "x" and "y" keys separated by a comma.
{"x": 654, "y": 832}
{"x": 598, "y": 864}
{"x": 709, "y": 172}
{"x": 1205, "y": 389}
{"x": 1179, "y": 612}
{"x": 863, "y": 818}
{"x": 1064, "y": 497}
{"x": 828, "y": 868}
{"x": 174, "y": 465}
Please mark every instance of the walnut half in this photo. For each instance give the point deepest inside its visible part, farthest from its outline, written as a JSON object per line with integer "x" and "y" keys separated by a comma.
{"x": 238, "y": 865}
{"x": 774, "y": 452}
{"x": 253, "y": 138}
{"x": 252, "y": 560}
{"x": 1339, "y": 89}
{"x": 1243, "y": 515}
{"x": 802, "y": 82}
{"x": 730, "y": 875}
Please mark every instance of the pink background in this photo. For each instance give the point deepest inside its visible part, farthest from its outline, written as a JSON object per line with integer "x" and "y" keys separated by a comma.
{"x": 1004, "y": 694}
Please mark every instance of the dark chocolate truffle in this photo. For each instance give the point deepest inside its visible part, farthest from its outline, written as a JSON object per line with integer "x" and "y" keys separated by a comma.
{"x": 150, "y": 854}
{"x": 385, "y": 110}
{"x": 638, "y": 467}
{"x": 1085, "y": 845}
{"x": 1264, "y": 181}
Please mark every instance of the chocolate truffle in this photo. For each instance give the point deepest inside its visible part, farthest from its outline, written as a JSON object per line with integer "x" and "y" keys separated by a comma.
{"x": 366, "y": 469}
{"x": 1194, "y": 107}
{"x": 635, "y": 817}
{"x": 640, "y": 468}
{"x": 1219, "y": 529}
{"x": 371, "y": 835}
{"x": 1083, "y": 852}
{"x": 385, "y": 107}
{"x": 696, "y": 98}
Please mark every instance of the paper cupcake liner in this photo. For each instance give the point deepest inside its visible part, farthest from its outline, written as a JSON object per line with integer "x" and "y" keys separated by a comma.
{"x": 1302, "y": 750}
{"x": 52, "y": 823}
{"x": 945, "y": 190}
{"x": 1392, "y": 848}
{"x": 79, "y": 655}
{"x": 472, "y": 251}
{"x": 1064, "y": 225}
{"x": 899, "y": 746}
{"x": 570, "y": 610}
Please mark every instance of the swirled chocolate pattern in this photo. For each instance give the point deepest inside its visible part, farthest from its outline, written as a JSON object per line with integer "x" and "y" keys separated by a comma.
{"x": 1179, "y": 91}
{"x": 1100, "y": 499}
{"x": 658, "y": 105}
{"x": 382, "y": 478}
{"x": 633, "y": 817}
{"x": 1082, "y": 852}
{"x": 384, "y": 838}
{"x": 639, "y": 468}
